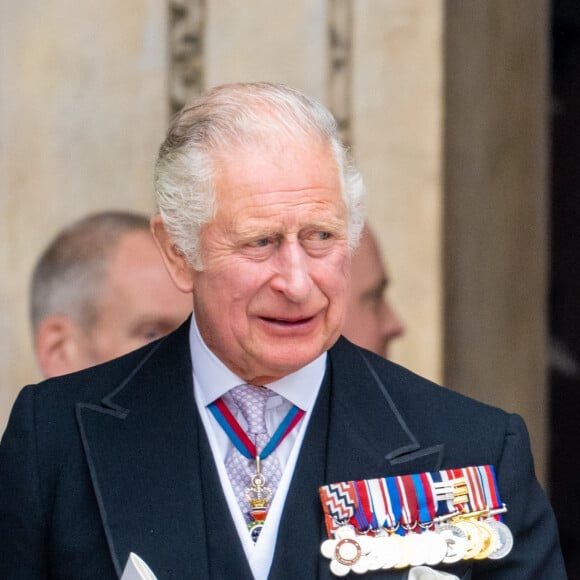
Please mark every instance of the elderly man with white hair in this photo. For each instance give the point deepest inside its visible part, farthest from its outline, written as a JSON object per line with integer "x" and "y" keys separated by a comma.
{"x": 255, "y": 442}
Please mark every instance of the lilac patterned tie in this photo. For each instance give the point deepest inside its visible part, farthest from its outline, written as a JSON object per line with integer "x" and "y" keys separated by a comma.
{"x": 251, "y": 401}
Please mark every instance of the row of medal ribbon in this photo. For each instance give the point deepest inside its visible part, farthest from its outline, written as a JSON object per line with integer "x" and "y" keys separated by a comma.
{"x": 411, "y": 520}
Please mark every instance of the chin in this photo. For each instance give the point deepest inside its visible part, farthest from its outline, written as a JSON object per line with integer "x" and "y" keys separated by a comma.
{"x": 289, "y": 360}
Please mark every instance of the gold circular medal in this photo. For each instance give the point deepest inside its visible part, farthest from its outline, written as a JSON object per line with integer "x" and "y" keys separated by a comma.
{"x": 474, "y": 541}
{"x": 487, "y": 538}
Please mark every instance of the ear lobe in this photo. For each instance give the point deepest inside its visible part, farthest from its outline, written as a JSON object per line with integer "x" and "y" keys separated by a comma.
{"x": 175, "y": 261}
{"x": 55, "y": 346}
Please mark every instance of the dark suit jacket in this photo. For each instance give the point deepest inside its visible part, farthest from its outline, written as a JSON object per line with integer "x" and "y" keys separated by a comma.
{"x": 115, "y": 459}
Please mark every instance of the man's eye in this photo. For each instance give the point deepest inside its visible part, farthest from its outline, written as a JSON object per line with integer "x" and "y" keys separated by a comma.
{"x": 259, "y": 248}
{"x": 318, "y": 236}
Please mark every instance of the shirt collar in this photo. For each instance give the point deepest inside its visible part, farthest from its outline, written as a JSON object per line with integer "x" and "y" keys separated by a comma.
{"x": 214, "y": 379}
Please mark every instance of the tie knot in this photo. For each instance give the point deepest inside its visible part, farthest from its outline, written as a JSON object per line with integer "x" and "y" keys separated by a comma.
{"x": 251, "y": 401}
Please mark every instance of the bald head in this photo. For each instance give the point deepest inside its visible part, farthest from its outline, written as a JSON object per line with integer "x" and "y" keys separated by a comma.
{"x": 100, "y": 290}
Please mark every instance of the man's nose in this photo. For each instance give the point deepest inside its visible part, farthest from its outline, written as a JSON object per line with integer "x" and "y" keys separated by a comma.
{"x": 292, "y": 276}
{"x": 393, "y": 326}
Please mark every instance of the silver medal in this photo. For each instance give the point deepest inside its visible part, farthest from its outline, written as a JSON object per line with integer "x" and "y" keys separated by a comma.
{"x": 435, "y": 547}
{"x": 416, "y": 548}
{"x": 390, "y": 547}
{"x": 339, "y": 569}
{"x": 404, "y": 554}
{"x": 375, "y": 557}
{"x": 456, "y": 541}
{"x": 504, "y": 537}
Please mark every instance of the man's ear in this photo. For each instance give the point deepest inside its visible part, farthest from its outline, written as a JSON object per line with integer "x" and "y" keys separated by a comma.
{"x": 56, "y": 346}
{"x": 176, "y": 263}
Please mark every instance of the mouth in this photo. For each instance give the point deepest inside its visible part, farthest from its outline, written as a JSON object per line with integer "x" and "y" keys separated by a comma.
{"x": 288, "y": 322}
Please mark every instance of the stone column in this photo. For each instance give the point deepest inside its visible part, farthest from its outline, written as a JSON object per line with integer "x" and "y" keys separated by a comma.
{"x": 495, "y": 206}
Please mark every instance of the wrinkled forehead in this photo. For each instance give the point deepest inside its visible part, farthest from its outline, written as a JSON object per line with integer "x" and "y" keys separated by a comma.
{"x": 284, "y": 166}
{"x": 278, "y": 190}
{"x": 283, "y": 163}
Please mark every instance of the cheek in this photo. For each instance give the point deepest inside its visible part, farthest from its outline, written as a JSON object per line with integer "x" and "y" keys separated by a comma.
{"x": 245, "y": 282}
{"x": 226, "y": 292}
{"x": 332, "y": 274}
{"x": 337, "y": 292}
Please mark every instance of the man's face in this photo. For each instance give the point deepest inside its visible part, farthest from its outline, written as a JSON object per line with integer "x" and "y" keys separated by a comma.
{"x": 371, "y": 321}
{"x": 271, "y": 296}
{"x": 139, "y": 303}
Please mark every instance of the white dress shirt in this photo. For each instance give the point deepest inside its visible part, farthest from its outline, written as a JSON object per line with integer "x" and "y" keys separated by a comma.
{"x": 211, "y": 380}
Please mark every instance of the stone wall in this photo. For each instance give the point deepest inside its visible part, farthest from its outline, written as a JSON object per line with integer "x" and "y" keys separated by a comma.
{"x": 443, "y": 105}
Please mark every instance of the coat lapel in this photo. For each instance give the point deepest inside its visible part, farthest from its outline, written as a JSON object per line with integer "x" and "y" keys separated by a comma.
{"x": 142, "y": 448}
{"x": 356, "y": 432}
{"x": 151, "y": 502}
{"x": 369, "y": 436}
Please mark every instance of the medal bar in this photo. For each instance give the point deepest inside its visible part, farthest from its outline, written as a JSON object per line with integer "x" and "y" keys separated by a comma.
{"x": 420, "y": 519}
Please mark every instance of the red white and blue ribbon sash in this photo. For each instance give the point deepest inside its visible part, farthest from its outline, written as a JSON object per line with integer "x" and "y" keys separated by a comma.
{"x": 239, "y": 437}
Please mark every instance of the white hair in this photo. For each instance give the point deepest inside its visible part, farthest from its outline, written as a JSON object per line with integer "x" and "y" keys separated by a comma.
{"x": 231, "y": 118}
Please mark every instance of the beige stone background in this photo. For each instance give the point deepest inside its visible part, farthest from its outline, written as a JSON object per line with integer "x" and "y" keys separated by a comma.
{"x": 454, "y": 163}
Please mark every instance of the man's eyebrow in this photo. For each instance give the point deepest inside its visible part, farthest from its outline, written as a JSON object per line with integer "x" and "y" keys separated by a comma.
{"x": 250, "y": 231}
{"x": 245, "y": 233}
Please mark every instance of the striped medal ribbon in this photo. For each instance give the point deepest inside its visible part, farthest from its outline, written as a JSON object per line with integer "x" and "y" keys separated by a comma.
{"x": 411, "y": 520}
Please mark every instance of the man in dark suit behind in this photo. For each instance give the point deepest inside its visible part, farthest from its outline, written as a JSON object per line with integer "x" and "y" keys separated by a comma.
{"x": 258, "y": 213}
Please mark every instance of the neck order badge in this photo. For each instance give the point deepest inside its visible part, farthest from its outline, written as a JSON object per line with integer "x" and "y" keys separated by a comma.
{"x": 254, "y": 499}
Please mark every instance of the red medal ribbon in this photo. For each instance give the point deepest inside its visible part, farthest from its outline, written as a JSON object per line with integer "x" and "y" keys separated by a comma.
{"x": 430, "y": 504}
{"x": 490, "y": 489}
{"x": 364, "y": 518}
{"x": 409, "y": 500}
{"x": 410, "y": 511}
{"x": 476, "y": 497}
